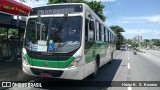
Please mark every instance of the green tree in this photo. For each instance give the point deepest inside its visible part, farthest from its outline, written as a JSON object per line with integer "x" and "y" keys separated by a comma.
{"x": 3, "y": 31}
{"x": 134, "y": 44}
{"x": 145, "y": 43}
{"x": 128, "y": 41}
{"x": 13, "y": 31}
{"x": 10, "y": 31}
{"x": 120, "y": 38}
{"x": 96, "y": 6}
{"x": 146, "y": 40}
{"x": 117, "y": 29}
{"x": 156, "y": 42}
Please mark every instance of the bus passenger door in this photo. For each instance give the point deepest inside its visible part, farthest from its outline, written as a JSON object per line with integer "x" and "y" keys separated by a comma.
{"x": 89, "y": 44}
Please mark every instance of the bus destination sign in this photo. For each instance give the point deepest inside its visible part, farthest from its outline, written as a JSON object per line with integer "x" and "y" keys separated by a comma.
{"x": 56, "y": 9}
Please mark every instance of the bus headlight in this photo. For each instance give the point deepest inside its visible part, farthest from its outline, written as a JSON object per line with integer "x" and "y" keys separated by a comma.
{"x": 75, "y": 62}
{"x": 24, "y": 59}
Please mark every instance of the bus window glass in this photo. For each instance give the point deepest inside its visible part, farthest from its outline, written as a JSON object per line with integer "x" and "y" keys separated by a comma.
{"x": 111, "y": 37}
{"x": 100, "y": 32}
{"x": 97, "y": 31}
{"x": 104, "y": 30}
{"x": 86, "y": 30}
{"x": 91, "y": 32}
{"x": 52, "y": 35}
{"x": 108, "y": 36}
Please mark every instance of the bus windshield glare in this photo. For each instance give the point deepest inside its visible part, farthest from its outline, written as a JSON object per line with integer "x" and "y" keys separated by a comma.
{"x": 53, "y": 34}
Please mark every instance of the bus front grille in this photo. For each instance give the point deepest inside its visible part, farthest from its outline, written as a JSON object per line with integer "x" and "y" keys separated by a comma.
{"x": 54, "y": 73}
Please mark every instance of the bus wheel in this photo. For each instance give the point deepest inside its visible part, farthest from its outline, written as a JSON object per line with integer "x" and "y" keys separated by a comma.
{"x": 110, "y": 62}
{"x": 96, "y": 68}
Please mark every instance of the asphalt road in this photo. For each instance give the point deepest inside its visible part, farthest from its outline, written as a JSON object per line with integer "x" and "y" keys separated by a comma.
{"x": 125, "y": 67}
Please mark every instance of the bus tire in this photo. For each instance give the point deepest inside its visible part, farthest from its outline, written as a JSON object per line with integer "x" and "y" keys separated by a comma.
{"x": 96, "y": 69}
{"x": 110, "y": 62}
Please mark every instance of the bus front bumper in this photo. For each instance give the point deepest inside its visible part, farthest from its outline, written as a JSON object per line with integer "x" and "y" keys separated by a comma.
{"x": 65, "y": 73}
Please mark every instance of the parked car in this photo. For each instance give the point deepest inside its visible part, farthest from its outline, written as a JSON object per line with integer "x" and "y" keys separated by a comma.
{"x": 123, "y": 48}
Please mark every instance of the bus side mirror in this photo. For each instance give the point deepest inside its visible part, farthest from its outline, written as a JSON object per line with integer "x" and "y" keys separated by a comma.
{"x": 91, "y": 25}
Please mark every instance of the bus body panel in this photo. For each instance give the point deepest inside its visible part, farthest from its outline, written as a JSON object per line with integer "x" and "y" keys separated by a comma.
{"x": 50, "y": 63}
{"x": 88, "y": 54}
{"x": 68, "y": 73}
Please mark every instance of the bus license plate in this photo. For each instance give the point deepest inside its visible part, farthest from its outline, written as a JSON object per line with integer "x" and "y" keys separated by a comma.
{"x": 46, "y": 75}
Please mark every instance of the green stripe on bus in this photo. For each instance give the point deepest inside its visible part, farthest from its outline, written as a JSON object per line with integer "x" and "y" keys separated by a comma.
{"x": 50, "y": 64}
{"x": 95, "y": 49}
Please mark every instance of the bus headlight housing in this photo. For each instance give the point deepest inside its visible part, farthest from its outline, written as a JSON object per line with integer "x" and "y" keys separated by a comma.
{"x": 24, "y": 59}
{"x": 75, "y": 62}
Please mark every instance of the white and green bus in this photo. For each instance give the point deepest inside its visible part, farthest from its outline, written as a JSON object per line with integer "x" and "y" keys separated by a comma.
{"x": 66, "y": 41}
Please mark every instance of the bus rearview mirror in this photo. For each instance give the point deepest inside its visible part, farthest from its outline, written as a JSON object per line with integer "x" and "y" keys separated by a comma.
{"x": 21, "y": 18}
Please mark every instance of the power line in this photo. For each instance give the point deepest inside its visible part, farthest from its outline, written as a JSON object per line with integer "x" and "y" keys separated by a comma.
{"x": 112, "y": 13}
{"x": 112, "y": 16}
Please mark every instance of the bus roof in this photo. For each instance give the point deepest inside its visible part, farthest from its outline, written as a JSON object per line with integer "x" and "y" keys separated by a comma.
{"x": 84, "y": 5}
{"x": 97, "y": 17}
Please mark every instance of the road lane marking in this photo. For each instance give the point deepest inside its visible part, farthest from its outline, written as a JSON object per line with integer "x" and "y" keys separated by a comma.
{"x": 129, "y": 66}
{"x": 128, "y": 76}
{"x": 129, "y": 88}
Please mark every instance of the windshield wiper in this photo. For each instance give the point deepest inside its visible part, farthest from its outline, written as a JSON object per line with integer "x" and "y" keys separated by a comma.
{"x": 60, "y": 23}
{"x": 59, "y": 26}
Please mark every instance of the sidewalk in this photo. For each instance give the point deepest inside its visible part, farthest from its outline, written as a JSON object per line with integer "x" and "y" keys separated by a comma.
{"x": 154, "y": 52}
{"x": 151, "y": 55}
{"x": 9, "y": 65}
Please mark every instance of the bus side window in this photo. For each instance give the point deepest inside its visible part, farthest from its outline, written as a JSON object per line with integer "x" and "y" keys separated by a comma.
{"x": 108, "y": 36}
{"x": 106, "y": 33}
{"x": 86, "y": 30}
{"x": 115, "y": 38}
{"x": 100, "y": 32}
{"x": 111, "y": 38}
{"x": 91, "y": 31}
{"x": 104, "y": 30}
{"x": 97, "y": 31}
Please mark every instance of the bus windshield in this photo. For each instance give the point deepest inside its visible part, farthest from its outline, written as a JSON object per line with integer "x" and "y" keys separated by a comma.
{"x": 53, "y": 34}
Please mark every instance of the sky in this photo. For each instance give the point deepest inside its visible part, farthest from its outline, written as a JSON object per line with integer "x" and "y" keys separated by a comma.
{"x": 136, "y": 17}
